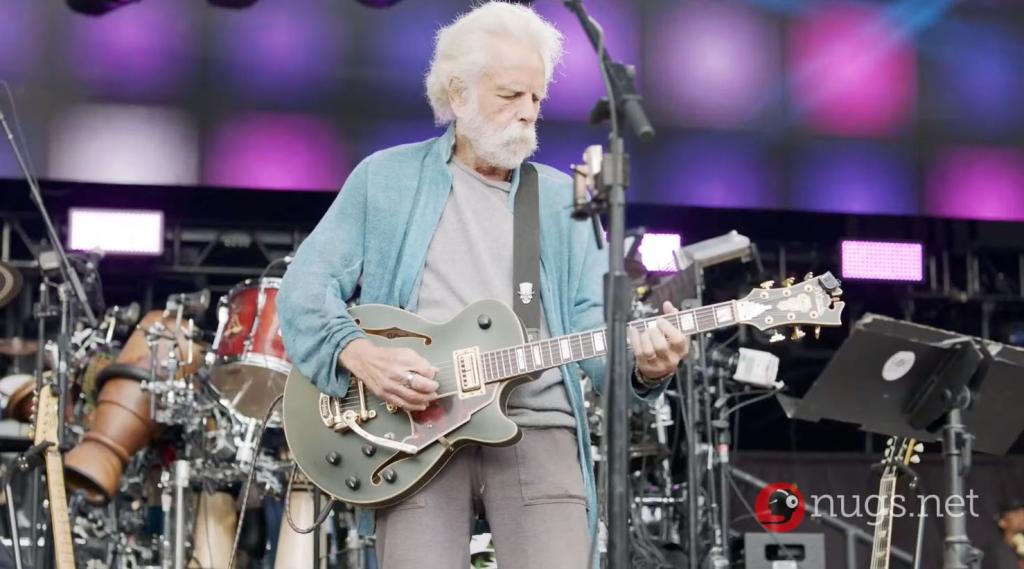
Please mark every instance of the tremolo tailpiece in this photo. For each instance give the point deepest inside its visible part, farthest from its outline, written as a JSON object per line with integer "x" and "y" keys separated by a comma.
{"x": 338, "y": 419}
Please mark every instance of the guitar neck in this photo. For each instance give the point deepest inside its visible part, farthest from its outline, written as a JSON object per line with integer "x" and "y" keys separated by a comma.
{"x": 59, "y": 517}
{"x": 537, "y": 356}
{"x": 882, "y": 542}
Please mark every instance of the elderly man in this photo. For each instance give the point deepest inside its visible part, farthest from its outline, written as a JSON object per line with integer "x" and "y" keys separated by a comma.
{"x": 428, "y": 227}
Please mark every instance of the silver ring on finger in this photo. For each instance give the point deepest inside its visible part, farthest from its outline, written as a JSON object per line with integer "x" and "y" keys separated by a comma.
{"x": 408, "y": 380}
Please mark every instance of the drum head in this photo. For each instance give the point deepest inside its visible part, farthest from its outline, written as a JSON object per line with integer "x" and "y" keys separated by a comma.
{"x": 248, "y": 388}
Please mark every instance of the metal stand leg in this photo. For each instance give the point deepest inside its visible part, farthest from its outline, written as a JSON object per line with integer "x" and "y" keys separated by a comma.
{"x": 12, "y": 520}
{"x": 181, "y": 481}
{"x": 958, "y": 552}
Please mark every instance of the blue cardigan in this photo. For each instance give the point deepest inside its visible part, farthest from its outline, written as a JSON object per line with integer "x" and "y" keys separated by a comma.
{"x": 377, "y": 232}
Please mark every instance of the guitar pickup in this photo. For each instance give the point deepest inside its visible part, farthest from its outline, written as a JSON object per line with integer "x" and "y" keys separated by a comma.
{"x": 467, "y": 372}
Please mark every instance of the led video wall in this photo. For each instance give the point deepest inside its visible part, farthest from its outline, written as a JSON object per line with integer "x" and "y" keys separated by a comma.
{"x": 901, "y": 107}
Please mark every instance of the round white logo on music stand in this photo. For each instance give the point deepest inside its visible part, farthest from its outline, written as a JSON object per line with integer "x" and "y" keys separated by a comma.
{"x": 898, "y": 365}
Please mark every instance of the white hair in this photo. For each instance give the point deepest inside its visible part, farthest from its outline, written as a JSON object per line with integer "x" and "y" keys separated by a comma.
{"x": 460, "y": 48}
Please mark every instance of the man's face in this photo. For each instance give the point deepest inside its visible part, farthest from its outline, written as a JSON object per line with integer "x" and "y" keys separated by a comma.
{"x": 512, "y": 87}
{"x": 498, "y": 114}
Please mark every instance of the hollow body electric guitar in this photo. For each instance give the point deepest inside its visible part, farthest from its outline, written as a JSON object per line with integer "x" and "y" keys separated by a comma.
{"x": 369, "y": 453}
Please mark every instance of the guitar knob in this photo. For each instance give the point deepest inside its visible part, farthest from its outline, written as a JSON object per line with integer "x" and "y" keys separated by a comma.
{"x": 369, "y": 449}
{"x": 333, "y": 458}
{"x": 352, "y": 482}
{"x": 776, "y": 337}
{"x": 483, "y": 321}
{"x": 390, "y": 476}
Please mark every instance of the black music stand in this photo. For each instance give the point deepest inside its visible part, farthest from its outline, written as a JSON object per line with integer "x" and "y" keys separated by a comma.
{"x": 896, "y": 378}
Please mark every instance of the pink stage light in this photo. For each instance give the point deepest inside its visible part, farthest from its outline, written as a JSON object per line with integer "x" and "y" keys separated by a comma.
{"x": 116, "y": 231}
{"x": 656, "y": 251}
{"x": 883, "y": 261}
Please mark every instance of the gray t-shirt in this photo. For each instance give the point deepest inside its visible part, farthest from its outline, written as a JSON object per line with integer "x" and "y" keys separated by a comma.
{"x": 470, "y": 259}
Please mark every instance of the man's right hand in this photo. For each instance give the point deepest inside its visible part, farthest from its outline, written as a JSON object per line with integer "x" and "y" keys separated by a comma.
{"x": 399, "y": 376}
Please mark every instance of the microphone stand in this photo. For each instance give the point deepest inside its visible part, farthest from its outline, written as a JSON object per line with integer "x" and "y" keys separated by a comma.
{"x": 72, "y": 298}
{"x": 610, "y": 197}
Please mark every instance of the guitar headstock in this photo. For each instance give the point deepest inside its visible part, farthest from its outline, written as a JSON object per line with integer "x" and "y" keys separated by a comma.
{"x": 901, "y": 451}
{"x": 811, "y": 302}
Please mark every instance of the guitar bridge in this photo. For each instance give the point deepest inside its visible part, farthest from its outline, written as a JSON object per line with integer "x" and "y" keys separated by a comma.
{"x": 467, "y": 371}
{"x": 331, "y": 413}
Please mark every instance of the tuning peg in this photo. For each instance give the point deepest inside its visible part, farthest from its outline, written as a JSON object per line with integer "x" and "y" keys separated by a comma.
{"x": 817, "y": 332}
{"x": 798, "y": 334}
{"x": 790, "y": 281}
{"x": 767, "y": 284}
{"x": 919, "y": 447}
{"x": 776, "y": 337}
{"x": 808, "y": 276}
{"x": 890, "y": 441}
{"x": 915, "y": 459}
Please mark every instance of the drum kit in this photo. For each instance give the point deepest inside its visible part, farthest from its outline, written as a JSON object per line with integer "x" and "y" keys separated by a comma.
{"x": 165, "y": 429}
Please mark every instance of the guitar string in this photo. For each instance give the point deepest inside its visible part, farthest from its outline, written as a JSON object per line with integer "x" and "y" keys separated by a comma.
{"x": 552, "y": 346}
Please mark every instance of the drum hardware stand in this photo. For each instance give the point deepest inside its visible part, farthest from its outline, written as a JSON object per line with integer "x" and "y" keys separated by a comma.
{"x": 72, "y": 299}
{"x": 26, "y": 463}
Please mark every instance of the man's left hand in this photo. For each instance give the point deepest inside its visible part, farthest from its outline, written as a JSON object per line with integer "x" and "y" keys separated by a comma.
{"x": 658, "y": 349}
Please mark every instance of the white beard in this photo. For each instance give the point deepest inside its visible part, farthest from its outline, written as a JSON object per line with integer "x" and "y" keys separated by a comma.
{"x": 501, "y": 147}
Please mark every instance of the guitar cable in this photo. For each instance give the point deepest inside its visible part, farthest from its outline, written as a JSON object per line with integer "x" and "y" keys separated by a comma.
{"x": 248, "y": 481}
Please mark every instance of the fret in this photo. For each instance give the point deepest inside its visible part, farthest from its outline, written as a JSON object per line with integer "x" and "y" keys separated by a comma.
{"x": 520, "y": 360}
{"x": 598, "y": 339}
{"x": 705, "y": 319}
{"x": 538, "y": 360}
{"x": 576, "y": 355}
{"x": 503, "y": 362}
{"x": 687, "y": 323}
{"x": 724, "y": 313}
{"x": 564, "y": 351}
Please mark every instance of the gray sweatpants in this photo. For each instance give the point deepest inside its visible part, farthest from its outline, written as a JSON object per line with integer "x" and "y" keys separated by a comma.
{"x": 531, "y": 492}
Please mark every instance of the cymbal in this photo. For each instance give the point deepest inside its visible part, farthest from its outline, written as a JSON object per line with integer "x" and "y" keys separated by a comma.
{"x": 16, "y": 347}
{"x": 10, "y": 283}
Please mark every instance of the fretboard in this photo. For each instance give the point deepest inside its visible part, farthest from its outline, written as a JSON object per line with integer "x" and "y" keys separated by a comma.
{"x": 63, "y": 547}
{"x": 545, "y": 354}
{"x": 883, "y": 523}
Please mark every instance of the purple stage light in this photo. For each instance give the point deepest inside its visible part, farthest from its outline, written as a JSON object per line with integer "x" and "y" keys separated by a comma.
{"x": 124, "y": 144}
{"x": 713, "y": 64}
{"x": 978, "y": 76}
{"x": 97, "y": 7}
{"x": 378, "y": 3}
{"x": 20, "y": 35}
{"x": 854, "y": 177}
{"x": 116, "y": 231}
{"x": 709, "y": 171}
{"x": 577, "y": 83}
{"x": 883, "y": 261}
{"x": 150, "y": 48}
{"x": 281, "y": 51}
{"x": 657, "y": 251}
{"x": 276, "y": 152}
{"x": 977, "y": 183}
{"x": 853, "y": 71}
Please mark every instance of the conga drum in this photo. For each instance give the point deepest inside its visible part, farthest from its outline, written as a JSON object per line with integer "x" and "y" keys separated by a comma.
{"x": 214, "y": 533}
{"x": 295, "y": 549}
{"x": 122, "y": 423}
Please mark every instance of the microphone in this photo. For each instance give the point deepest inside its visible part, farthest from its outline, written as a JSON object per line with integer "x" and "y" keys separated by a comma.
{"x": 752, "y": 367}
{"x": 191, "y": 304}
